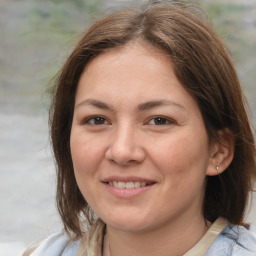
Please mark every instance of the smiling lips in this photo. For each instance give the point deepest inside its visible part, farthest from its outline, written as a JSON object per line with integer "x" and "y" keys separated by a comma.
{"x": 128, "y": 185}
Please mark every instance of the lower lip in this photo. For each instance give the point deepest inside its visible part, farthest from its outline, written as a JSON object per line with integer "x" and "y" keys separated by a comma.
{"x": 127, "y": 193}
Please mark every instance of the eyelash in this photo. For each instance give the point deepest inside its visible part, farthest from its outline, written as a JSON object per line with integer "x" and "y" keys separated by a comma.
{"x": 94, "y": 118}
{"x": 163, "y": 121}
{"x": 167, "y": 121}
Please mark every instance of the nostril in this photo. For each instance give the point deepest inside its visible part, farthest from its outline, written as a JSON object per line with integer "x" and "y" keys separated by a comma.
{"x": 125, "y": 155}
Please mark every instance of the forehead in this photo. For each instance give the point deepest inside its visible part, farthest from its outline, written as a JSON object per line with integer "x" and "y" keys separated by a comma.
{"x": 135, "y": 51}
{"x": 136, "y": 60}
{"x": 133, "y": 73}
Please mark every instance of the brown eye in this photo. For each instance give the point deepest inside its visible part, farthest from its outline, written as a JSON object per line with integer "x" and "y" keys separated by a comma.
{"x": 160, "y": 121}
{"x": 96, "y": 120}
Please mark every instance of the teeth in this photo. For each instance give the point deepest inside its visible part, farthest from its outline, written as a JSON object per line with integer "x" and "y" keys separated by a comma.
{"x": 121, "y": 184}
{"x": 136, "y": 184}
{"x": 127, "y": 185}
{"x": 142, "y": 184}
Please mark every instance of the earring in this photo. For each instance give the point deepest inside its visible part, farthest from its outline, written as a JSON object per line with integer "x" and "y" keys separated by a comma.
{"x": 217, "y": 167}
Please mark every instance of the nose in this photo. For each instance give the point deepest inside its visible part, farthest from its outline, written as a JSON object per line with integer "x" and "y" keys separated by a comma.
{"x": 124, "y": 148}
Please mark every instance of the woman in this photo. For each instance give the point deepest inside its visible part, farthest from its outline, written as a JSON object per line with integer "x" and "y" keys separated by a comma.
{"x": 153, "y": 146}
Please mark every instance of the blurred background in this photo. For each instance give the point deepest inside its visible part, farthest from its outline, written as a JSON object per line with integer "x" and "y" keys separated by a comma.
{"x": 36, "y": 37}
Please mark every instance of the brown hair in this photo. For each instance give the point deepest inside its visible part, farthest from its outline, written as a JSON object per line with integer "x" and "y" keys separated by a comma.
{"x": 201, "y": 64}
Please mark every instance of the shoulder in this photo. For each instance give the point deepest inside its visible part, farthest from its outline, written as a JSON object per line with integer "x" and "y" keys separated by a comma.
{"x": 56, "y": 244}
{"x": 234, "y": 241}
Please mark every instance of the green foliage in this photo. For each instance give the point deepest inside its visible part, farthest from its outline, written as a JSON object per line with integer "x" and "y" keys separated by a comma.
{"x": 60, "y": 17}
{"x": 215, "y": 10}
{"x": 51, "y": 26}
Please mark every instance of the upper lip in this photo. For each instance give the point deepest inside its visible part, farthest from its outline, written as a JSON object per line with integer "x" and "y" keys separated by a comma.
{"x": 127, "y": 179}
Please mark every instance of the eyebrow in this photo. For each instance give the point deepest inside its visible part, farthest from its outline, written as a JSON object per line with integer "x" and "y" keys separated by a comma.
{"x": 141, "y": 107}
{"x": 95, "y": 103}
{"x": 157, "y": 103}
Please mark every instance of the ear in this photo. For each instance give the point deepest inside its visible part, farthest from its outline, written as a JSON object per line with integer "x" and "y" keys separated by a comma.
{"x": 222, "y": 153}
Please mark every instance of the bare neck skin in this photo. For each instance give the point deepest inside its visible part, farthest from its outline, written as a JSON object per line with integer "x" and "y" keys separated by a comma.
{"x": 173, "y": 239}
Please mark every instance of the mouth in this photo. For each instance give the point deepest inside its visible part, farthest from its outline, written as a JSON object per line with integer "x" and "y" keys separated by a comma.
{"x": 127, "y": 187}
{"x": 129, "y": 184}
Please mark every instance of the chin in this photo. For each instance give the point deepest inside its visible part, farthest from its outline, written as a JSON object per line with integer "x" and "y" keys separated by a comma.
{"x": 128, "y": 224}
{"x": 128, "y": 219}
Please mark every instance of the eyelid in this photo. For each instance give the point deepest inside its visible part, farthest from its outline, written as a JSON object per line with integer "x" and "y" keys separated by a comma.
{"x": 168, "y": 119}
{"x": 85, "y": 121}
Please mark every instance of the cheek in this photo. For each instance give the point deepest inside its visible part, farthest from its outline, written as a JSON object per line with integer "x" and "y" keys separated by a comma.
{"x": 86, "y": 154}
{"x": 82, "y": 164}
{"x": 85, "y": 158}
{"x": 181, "y": 155}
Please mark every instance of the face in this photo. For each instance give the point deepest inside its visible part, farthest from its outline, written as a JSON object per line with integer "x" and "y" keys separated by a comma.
{"x": 138, "y": 142}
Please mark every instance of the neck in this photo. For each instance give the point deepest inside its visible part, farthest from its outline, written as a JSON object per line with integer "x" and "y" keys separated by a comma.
{"x": 170, "y": 239}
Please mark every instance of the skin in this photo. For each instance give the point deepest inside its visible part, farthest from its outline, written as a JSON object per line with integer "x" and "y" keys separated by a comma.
{"x": 117, "y": 132}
